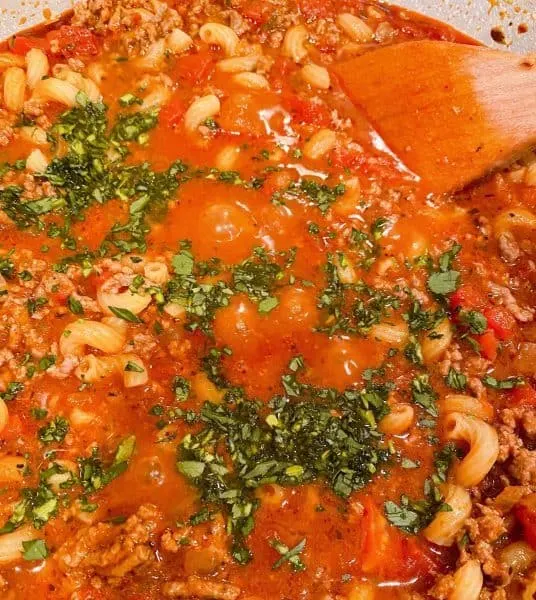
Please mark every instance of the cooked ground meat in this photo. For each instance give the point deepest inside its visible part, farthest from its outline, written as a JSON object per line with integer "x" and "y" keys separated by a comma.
{"x": 110, "y": 550}
{"x": 508, "y": 248}
{"x": 140, "y": 22}
{"x": 505, "y": 297}
{"x": 523, "y": 467}
{"x": 195, "y": 587}
{"x": 489, "y": 526}
{"x": 443, "y": 588}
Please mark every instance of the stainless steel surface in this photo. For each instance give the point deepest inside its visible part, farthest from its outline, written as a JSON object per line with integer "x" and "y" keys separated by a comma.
{"x": 479, "y": 17}
{"x": 475, "y": 17}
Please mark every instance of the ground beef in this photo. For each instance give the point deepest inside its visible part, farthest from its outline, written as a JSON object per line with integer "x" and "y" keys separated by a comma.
{"x": 488, "y": 526}
{"x": 110, "y": 550}
{"x": 508, "y": 248}
{"x": 523, "y": 467}
{"x": 502, "y": 295}
{"x": 139, "y": 22}
{"x": 195, "y": 587}
{"x": 443, "y": 588}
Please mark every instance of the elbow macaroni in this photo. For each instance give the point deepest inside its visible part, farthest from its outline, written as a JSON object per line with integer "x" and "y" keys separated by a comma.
{"x": 294, "y": 43}
{"x": 320, "y": 144}
{"x": 447, "y": 524}
{"x": 399, "y": 420}
{"x": 99, "y": 335}
{"x": 483, "y": 447}
{"x": 37, "y": 66}
{"x": 14, "y": 88}
{"x": 200, "y": 110}
{"x": 434, "y": 347}
{"x": 220, "y": 35}
{"x": 129, "y": 366}
{"x": 355, "y": 28}
{"x": 468, "y": 582}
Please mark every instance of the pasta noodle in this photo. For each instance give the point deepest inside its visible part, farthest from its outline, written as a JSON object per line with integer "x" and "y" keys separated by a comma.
{"x": 253, "y": 81}
{"x": 12, "y": 469}
{"x": 157, "y": 272}
{"x": 320, "y": 144}
{"x": 399, "y": 420}
{"x": 36, "y": 162}
{"x": 512, "y": 218}
{"x": 467, "y": 405}
{"x": 34, "y": 135}
{"x": 434, "y": 347}
{"x": 178, "y": 41}
{"x": 238, "y": 64}
{"x": 294, "y": 43}
{"x": 355, "y": 28}
{"x": 154, "y": 57}
{"x": 127, "y": 300}
{"x": 82, "y": 333}
{"x": 316, "y": 76}
{"x": 483, "y": 447}
{"x": 93, "y": 368}
{"x": 447, "y": 524}
{"x": 36, "y": 66}
{"x": 10, "y": 60}
{"x": 220, "y": 35}
{"x": 56, "y": 90}
{"x": 11, "y": 543}
{"x": 227, "y": 157}
{"x": 517, "y": 556}
{"x": 394, "y": 335}
{"x": 468, "y": 581}
{"x": 200, "y": 110}
{"x": 14, "y": 87}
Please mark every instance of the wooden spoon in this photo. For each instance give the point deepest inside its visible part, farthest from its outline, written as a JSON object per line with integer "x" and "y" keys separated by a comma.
{"x": 451, "y": 112}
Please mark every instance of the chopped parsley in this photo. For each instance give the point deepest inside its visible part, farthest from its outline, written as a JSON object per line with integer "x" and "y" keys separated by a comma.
{"x": 54, "y": 431}
{"x": 503, "y": 384}
{"x": 456, "y": 380}
{"x": 290, "y": 555}
{"x": 445, "y": 280}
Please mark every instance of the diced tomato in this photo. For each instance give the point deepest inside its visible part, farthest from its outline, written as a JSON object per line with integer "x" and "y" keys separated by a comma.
{"x": 524, "y": 395}
{"x": 318, "y": 9}
{"x": 171, "y": 114}
{"x": 307, "y": 111}
{"x": 22, "y": 44}
{"x": 194, "y": 68}
{"x": 418, "y": 560}
{"x": 488, "y": 344}
{"x": 257, "y": 11}
{"x": 467, "y": 298}
{"x": 501, "y": 321}
{"x": 280, "y": 71}
{"x": 71, "y": 41}
{"x": 375, "y": 539}
{"x": 525, "y": 512}
{"x": 346, "y": 158}
{"x": 13, "y": 428}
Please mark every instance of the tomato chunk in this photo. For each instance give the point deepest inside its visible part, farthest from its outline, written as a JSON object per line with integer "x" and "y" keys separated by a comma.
{"x": 375, "y": 539}
{"x": 500, "y": 321}
{"x": 467, "y": 297}
{"x": 524, "y": 395}
{"x": 489, "y": 344}
{"x": 194, "y": 68}
{"x": 72, "y": 41}
{"x": 307, "y": 111}
{"x": 171, "y": 114}
{"x": 22, "y": 44}
{"x": 525, "y": 512}
{"x": 346, "y": 158}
